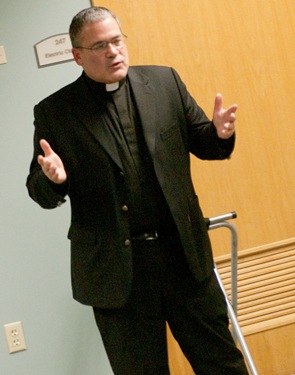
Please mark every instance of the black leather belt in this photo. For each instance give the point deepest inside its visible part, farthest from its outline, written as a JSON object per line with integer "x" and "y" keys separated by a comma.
{"x": 146, "y": 236}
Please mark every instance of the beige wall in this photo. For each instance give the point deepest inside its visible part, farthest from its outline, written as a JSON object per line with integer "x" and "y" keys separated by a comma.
{"x": 244, "y": 49}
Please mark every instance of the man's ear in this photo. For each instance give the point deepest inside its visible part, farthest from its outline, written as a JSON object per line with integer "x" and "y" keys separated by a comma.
{"x": 77, "y": 55}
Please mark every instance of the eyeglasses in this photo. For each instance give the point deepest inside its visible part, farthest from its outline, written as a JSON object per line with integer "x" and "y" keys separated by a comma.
{"x": 100, "y": 47}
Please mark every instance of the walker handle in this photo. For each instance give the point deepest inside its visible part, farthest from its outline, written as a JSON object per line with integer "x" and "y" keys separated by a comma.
{"x": 220, "y": 218}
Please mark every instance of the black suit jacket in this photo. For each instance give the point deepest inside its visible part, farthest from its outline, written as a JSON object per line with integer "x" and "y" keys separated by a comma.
{"x": 74, "y": 124}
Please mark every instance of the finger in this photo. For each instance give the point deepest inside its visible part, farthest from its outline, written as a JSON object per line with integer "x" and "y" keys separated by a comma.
{"x": 218, "y": 103}
{"x": 44, "y": 163}
{"x": 231, "y": 110}
{"x": 46, "y": 147}
{"x": 229, "y": 114}
{"x": 40, "y": 160}
{"x": 230, "y": 126}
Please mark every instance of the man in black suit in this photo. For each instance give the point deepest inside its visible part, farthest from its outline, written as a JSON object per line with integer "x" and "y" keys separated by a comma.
{"x": 117, "y": 141}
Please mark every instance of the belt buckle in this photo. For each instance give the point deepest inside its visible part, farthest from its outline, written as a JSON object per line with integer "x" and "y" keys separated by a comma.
{"x": 151, "y": 236}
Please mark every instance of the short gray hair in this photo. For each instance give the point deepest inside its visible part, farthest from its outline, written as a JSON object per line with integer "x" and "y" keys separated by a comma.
{"x": 86, "y": 16}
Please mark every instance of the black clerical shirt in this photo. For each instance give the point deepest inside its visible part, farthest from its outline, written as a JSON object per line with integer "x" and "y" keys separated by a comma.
{"x": 148, "y": 209}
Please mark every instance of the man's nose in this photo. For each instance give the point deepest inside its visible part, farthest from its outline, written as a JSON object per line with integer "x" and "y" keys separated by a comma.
{"x": 111, "y": 50}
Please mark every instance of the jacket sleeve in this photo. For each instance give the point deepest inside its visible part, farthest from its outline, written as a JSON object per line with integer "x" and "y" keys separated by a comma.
{"x": 202, "y": 137}
{"x": 43, "y": 191}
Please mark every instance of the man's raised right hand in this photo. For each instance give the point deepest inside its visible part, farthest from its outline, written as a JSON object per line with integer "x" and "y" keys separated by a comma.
{"x": 51, "y": 164}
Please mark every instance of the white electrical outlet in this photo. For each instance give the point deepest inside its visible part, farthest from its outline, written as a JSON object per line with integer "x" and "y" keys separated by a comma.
{"x": 3, "y": 59}
{"x": 15, "y": 337}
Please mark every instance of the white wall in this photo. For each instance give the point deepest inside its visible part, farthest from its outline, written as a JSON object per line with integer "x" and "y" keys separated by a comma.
{"x": 61, "y": 334}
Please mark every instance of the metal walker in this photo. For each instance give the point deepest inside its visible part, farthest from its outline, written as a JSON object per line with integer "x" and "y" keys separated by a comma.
{"x": 232, "y": 306}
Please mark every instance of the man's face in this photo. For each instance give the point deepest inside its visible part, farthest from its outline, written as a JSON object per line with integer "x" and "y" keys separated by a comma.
{"x": 109, "y": 65}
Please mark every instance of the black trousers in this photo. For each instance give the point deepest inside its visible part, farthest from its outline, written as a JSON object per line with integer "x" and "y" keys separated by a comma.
{"x": 164, "y": 290}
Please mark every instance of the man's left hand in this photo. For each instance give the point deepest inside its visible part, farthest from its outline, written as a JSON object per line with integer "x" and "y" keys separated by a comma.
{"x": 224, "y": 119}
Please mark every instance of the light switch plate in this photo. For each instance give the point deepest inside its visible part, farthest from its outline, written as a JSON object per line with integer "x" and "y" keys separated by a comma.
{"x": 3, "y": 59}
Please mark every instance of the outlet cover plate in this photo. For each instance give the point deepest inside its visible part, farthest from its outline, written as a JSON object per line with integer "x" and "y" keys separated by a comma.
{"x": 15, "y": 337}
{"x": 3, "y": 59}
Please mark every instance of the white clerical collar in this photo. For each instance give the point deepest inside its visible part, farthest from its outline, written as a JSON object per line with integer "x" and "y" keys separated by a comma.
{"x": 112, "y": 86}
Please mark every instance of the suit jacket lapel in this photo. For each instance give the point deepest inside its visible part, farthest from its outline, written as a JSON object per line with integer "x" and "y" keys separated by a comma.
{"x": 92, "y": 116}
{"x": 144, "y": 94}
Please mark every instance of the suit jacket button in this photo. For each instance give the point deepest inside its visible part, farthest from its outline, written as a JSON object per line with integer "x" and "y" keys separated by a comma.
{"x": 125, "y": 208}
{"x": 127, "y": 242}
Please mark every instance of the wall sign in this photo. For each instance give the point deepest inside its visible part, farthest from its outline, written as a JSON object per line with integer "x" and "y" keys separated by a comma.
{"x": 54, "y": 50}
